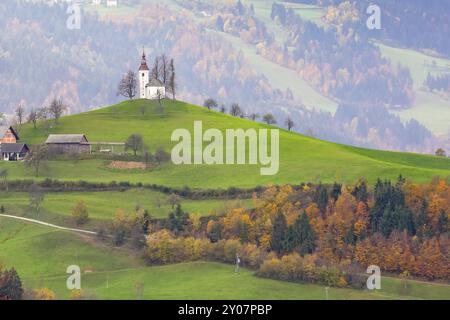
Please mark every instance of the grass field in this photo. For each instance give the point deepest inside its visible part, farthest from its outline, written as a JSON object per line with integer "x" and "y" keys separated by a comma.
{"x": 302, "y": 159}
{"x": 57, "y": 206}
{"x": 41, "y": 256}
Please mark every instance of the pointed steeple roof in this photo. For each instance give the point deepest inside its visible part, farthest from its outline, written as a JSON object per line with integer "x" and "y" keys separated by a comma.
{"x": 143, "y": 62}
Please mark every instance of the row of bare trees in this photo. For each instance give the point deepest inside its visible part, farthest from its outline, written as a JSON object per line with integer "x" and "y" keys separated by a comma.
{"x": 237, "y": 111}
{"x": 54, "y": 111}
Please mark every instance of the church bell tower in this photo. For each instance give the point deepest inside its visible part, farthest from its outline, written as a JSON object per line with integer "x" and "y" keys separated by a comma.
{"x": 143, "y": 76}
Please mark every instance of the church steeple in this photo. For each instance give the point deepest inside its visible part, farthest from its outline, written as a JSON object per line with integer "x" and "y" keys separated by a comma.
{"x": 143, "y": 61}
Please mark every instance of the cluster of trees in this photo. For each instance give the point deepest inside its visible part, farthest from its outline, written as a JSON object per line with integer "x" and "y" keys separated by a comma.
{"x": 53, "y": 111}
{"x": 415, "y": 24}
{"x": 340, "y": 61}
{"x": 237, "y": 111}
{"x": 10, "y": 284}
{"x": 336, "y": 224}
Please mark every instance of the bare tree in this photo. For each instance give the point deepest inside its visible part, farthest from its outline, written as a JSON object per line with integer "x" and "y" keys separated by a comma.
{"x": 172, "y": 84}
{"x": 156, "y": 70}
{"x": 56, "y": 109}
{"x": 440, "y": 152}
{"x": 235, "y": 110}
{"x": 289, "y": 123}
{"x": 20, "y": 113}
{"x": 36, "y": 196}
{"x": 164, "y": 69}
{"x": 135, "y": 142}
{"x": 210, "y": 103}
{"x": 33, "y": 117}
{"x": 223, "y": 109}
{"x": 36, "y": 158}
{"x": 4, "y": 176}
{"x": 161, "y": 155}
{"x": 253, "y": 116}
{"x": 173, "y": 200}
{"x": 128, "y": 85}
{"x": 269, "y": 118}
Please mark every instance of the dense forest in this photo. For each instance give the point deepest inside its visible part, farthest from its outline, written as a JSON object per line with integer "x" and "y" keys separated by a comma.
{"x": 404, "y": 18}
{"x": 316, "y": 233}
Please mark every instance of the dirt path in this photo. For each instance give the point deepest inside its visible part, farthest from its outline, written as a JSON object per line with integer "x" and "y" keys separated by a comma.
{"x": 48, "y": 224}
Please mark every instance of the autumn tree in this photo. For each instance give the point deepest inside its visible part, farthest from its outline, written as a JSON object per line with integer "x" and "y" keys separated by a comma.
{"x": 80, "y": 213}
{"x": 44, "y": 294}
{"x": 128, "y": 85}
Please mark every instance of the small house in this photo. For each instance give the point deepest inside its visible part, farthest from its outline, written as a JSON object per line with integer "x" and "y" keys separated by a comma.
{"x": 68, "y": 143}
{"x": 10, "y": 136}
{"x": 13, "y": 151}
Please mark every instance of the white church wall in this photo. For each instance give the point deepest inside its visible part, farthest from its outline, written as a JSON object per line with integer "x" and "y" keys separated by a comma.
{"x": 152, "y": 92}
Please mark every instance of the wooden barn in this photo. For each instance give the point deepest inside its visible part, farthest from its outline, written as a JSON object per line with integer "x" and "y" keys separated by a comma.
{"x": 68, "y": 143}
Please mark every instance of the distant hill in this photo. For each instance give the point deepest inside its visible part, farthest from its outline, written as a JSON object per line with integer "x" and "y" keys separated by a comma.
{"x": 302, "y": 159}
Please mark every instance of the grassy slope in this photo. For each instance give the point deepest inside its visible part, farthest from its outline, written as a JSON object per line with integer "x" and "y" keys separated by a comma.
{"x": 301, "y": 158}
{"x": 42, "y": 255}
{"x": 57, "y": 207}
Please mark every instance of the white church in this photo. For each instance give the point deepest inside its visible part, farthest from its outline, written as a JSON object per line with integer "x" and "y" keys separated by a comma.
{"x": 149, "y": 88}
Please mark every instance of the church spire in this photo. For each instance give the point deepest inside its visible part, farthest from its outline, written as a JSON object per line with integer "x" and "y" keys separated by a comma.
{"x": 143, "y": 61}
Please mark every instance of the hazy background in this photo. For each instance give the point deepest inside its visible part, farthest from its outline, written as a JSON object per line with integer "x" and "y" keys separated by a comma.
{"x": 315, "y": 60}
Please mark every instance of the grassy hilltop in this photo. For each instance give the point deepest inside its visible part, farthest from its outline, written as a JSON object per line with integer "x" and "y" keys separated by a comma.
{"x": 302, "y": 159}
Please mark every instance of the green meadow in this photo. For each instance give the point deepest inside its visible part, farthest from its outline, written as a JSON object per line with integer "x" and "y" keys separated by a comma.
{"x": 41, "y": 256}
{"x": 302, "y": 159}
{"x": 57, "y": 206}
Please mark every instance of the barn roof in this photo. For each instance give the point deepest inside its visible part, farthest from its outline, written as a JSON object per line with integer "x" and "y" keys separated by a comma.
{"x": 13, "y": 147}
{"x": 66, "y": 138}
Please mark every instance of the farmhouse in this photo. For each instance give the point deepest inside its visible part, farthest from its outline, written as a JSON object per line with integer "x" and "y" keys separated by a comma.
{"x": 68, "y": 143}
{"x": 10, "y": 136}
{"x": 10, "y": 149}
{"x": 149, "y": 88}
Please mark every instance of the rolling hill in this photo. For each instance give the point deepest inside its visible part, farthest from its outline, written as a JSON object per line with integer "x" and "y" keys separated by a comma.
{"x": 41, "y": 256}
{"x": 302, "y": 159}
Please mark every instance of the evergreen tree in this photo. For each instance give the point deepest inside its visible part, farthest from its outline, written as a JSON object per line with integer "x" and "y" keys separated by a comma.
{"x": 336, "y": 191}
{"x": 350, "y": 237}
{"x": 442, "y": 226}
{"x": 304, "y": 234}
{"x": 279, "y": 233}
{"x": 10, "y": 285}
{"x": 178, "y": 220}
